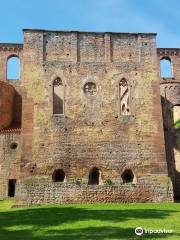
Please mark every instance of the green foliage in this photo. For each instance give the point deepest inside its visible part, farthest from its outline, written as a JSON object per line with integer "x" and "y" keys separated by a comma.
{"x": 78, "y": 181}
{"x": 109, "y": 182}
{"x": 88, "y": 221}
{"x": 177, "y": 124}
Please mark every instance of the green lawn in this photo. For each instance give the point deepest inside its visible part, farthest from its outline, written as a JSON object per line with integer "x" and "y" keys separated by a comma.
{"x": 86, "y": 221}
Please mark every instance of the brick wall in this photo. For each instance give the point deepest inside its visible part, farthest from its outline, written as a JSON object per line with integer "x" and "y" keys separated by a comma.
{"x": 42, "y": 191}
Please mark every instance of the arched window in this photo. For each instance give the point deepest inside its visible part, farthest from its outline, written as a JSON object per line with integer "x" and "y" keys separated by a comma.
{"x": 94, "y": 176}
{"x": 58, "y": 96}
{"x": 127, "y": 176}
{"x": 166, "y": 70}
{"x": 13, "y": 68}
{"x": 124, "y": 107}
{"x": 58, "y": 175}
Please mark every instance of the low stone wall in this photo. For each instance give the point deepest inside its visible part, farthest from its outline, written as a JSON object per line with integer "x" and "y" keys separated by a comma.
{"x": 40, "y": 192}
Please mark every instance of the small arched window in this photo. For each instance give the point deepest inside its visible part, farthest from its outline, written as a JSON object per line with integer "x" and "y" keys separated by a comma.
{"x": 13, "y": 68}
{"x": 166, "y": 69}
{"x": 58, "y": 175}
{"x": 127, "y": 176}
{"x": 124, "y": 107}
{"x": 58, "y": 96}
{"x": 94, "y": 177}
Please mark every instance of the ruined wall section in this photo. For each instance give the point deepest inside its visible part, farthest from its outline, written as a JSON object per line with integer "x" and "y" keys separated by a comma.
{"x": 91, "y": 133}
{"x": 10, "y": 158}
{"x": 8, "y": 50}
{"x": 10, "y": 131}
{"x": 170, "y": 95}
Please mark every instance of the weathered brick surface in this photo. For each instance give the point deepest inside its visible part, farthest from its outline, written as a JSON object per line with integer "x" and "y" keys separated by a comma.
{"x": 7, "y": 94}
{"x": 91, "y": 133}
{"x": 41, "y": 191}
{"x": 9, "y": 160}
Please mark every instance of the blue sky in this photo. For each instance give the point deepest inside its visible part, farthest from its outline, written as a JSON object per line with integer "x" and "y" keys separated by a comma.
{"x": 161, "y": 16}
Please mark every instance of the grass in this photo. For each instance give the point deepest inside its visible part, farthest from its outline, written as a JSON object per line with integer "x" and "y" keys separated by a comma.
{"x": 86, "y": 221}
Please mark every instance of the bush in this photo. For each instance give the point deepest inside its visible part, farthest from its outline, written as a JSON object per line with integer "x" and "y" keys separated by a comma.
{"x": 109, "y": 182}
{"x": 78, "y": 181}
{"x": 177, "y": 124}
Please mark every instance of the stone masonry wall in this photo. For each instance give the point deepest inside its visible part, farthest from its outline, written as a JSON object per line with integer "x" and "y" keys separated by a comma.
{"x": 10, "y": 159}
{"x": 40, "y": 191}
{"x": 92, "y": 133}
{"x": 170, "y": 95}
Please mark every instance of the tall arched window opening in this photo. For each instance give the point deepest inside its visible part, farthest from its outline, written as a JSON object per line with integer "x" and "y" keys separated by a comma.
{"x": 58, "y": 96}
{"x": 124, "y": 106}
{"x": 13, "y": 68}
{"x": 166, "y": 69}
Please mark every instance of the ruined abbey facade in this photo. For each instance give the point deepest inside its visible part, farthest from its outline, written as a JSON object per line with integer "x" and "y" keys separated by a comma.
{"x": 90, "y": 119}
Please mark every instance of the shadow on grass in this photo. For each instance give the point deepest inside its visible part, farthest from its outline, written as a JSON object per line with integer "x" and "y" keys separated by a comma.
{"x": 36, "y": 223}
